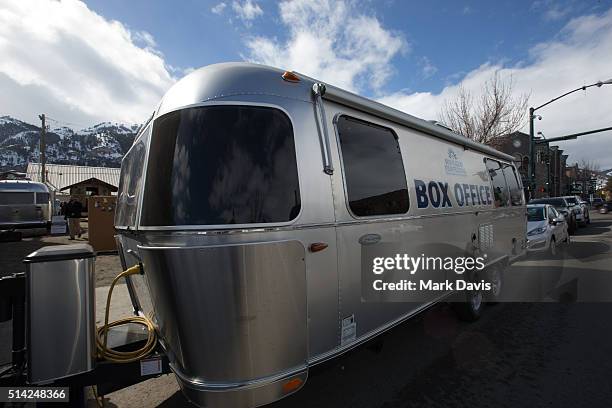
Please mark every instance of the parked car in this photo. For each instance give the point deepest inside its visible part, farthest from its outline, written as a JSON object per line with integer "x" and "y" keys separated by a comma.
{"x": 564, "y": 208}
{"x": 597, "y": 202}
{"x": 546, "y": 228}
{"x": 582, "y": 213}
{"x": 605, "y": 207}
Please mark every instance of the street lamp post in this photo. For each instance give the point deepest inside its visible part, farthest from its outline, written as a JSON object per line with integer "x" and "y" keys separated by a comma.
{"x": 531, "y": 167}
{"x": 548, "y": 157}
{"x": 532, "y": 116}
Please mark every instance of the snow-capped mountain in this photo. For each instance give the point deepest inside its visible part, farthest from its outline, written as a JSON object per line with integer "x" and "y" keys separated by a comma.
{"x": 101, "y": 145}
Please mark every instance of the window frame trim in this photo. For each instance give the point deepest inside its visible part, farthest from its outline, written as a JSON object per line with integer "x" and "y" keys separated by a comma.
{"x": 336, "y": 120}
{"x": 203, "y": 227}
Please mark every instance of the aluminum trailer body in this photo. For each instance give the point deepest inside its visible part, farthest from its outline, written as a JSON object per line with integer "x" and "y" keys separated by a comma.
{"x": 24, "y": 204}
{"x": 247, "y": 200}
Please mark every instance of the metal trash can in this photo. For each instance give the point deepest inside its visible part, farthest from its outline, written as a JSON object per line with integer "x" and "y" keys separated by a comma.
{"x": 60, "y": 303}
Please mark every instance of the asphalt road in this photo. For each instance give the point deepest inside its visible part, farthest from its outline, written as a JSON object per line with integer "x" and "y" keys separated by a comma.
{"x": 517, "y": 354}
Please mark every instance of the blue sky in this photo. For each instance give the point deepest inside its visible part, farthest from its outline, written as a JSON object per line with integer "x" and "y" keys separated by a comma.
{"x": 444, "y": 39}
{"x": 112, "y": 60}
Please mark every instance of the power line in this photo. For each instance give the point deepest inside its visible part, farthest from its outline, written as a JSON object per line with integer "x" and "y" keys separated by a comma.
{"x": 83, "y": 126}
{"x": 62, "y": 122}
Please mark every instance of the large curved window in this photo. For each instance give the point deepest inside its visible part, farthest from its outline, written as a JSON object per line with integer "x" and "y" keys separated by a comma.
{"x": 220, "y": 165}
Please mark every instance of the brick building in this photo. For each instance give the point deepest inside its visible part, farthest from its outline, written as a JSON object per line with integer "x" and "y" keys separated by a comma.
{"x": 551, "y": 179}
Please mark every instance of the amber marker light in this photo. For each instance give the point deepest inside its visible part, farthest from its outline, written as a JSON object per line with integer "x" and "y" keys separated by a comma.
{"x": 290, "y": 77}
{"x": 317, "y": 246}
{"x": 292, "y": 385}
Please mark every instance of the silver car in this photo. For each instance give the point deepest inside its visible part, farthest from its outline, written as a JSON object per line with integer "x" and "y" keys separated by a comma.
{"x": 546, "y": 228}
{"x": 581, "y": 210}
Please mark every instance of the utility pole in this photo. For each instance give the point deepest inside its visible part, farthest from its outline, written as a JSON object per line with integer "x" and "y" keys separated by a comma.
{"x": 549, "y": 158}
{"x": 43, "y": 130}
{"x": 531, "y": 168}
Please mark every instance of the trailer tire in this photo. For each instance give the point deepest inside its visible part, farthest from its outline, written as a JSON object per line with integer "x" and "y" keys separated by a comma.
{"x": 471, "y": 309}
{"x": 495, "y": 276}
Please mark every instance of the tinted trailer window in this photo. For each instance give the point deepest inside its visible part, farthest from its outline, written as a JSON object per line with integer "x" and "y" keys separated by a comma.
{"x": 500, "y": 188}
{"x": 16, "y": 198}
{"x": 516, "y": 193}
{"x": 221, "y": 165}
{"x": 42, "y": 198}
{"x": 373, "y": 168}
{"x": 130, "y": 183}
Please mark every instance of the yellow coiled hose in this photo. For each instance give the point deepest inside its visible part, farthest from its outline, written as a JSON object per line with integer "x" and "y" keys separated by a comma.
{"x": 102, "y": 332}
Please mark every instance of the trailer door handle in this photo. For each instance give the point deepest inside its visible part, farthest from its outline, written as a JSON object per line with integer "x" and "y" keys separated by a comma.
{"x": 317, "y": 246}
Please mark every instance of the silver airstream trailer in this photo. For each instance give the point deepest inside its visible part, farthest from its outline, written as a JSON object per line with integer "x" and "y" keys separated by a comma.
{"x": 24, "y": 204}
{"x": 254, "y": 197}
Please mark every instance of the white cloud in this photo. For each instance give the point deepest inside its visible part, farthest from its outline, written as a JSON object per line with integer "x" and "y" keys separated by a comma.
{"x": 551, "y": 10}
{"x": 332, "y": 41}
{"x": 578, "y": 55}
{"x": 145, "y": 38}
{"x": 63, "y": 59}
{"x": 247, "y": 10}
{"x": 427, "y": 67}
{"x": 555, "y": 13}
{"x": 218, "y": 9}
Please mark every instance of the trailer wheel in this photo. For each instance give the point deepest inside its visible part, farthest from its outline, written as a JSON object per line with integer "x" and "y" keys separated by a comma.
{"x": 495, "y": 276}
{"x": 471, "y": 309}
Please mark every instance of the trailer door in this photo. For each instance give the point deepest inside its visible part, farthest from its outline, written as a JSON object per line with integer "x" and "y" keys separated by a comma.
{"x": 370, "y": 200}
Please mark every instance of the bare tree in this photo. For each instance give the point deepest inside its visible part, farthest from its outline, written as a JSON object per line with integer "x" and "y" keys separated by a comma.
{"x": 495, "y": 112}
{"x": 589, "y": 167}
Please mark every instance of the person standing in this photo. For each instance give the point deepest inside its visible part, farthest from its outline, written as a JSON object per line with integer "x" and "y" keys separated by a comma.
{"x": 73, "y": 214}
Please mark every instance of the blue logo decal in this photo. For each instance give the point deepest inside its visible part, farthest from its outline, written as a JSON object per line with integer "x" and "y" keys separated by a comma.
{"x": 453, "y": 165}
